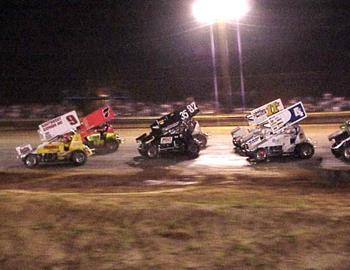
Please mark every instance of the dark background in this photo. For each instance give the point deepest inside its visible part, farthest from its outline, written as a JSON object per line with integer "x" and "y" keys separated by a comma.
{"x": 155, "y": 50}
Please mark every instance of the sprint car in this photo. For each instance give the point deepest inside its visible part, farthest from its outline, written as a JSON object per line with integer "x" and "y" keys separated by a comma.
{"x": 341, "y": 142}
{"x": 281, "y": 137}
{"x": 258, "y": 123}
{"x": 103, "y": 139}
{"x": 68, "y": 147}
{"x": 97, "y": 133}
{"x": 289, "y": 142}
{"x": 171, "y": 133}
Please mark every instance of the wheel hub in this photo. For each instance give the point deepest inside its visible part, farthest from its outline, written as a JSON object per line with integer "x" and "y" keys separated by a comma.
{"x": 347, "y": 153}
{"x": 152, "y": 151}
{"x": 261, "y": 154}
{"x": 30, "y": 161}
{"x": 79, "y": 158}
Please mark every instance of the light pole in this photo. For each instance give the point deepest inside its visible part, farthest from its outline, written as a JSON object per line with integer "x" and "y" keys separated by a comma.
{"x": 215, "y": 75}
{"x": 223, "y": 11}
{"x": 239, "y": 43}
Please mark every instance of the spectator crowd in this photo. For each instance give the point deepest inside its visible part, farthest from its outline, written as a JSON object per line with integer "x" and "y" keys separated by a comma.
{"x": 327, "y": 102}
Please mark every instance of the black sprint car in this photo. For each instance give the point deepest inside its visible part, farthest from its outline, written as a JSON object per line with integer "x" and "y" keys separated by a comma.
{"x": 171, "y": 133}
{"x": 341, "y": 142}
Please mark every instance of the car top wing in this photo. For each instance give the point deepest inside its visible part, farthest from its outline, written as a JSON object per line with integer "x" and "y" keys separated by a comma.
{"x": 182, "y": 114}
{"x": 289, "y": 116}
{"x": 261, "y": 114}
{"x": 59, "y": 126}
{"x": 97, "y": 118}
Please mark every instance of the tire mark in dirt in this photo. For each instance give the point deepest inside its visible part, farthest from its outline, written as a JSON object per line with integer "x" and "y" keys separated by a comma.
{"x": 90, "y": 194}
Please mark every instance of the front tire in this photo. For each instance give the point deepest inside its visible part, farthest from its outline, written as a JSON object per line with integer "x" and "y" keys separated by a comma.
{"x": 336, "y": 153}
{"x": 305, "y": 150}
{"x": 152, "y": 151}
{"x": 142, "y": 152}
{"x": 78, "y": 158}
{"x": 260, "y": 155}
{"x": 31, "y": 160}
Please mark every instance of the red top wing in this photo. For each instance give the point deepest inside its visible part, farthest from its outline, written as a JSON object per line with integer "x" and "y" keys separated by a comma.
{"x": 97, "y": 118}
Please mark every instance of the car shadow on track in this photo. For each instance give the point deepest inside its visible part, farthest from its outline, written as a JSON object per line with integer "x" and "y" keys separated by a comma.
{"x": 279, "y": 163}
{"x": 46, "y": 166}
{"x": 161, "y": 162}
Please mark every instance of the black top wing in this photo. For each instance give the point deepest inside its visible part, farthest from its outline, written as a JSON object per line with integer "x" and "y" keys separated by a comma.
{"x": 173, "y": 119}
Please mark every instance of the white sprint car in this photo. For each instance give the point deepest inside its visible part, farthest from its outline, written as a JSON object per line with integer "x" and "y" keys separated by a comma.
{"x": 290, "y": 141}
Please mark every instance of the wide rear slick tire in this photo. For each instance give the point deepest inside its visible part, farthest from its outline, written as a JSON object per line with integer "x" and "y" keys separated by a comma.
{"x": 201, "y": 139}
{"x": 346, "y": 153}
{"x": 305, "y": 150}
{"x": 193, "y": 149}
{"x": 78, "y": 158}
{"x": 111, "y": 146}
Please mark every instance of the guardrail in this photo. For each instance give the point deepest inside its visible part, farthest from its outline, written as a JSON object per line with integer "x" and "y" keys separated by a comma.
{"x": 205, "y": 120}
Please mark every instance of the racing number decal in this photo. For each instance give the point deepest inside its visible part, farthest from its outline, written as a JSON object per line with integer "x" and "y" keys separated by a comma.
{"x": 184, "y": 115}
{"x": 272, "y": 109}
{"x": 166, "y": 140}
{"x": 192, "y": 107}
{"x": 298, "y": 112}
{"x": 105, "y": 112}
{"x": 71, "y": 119}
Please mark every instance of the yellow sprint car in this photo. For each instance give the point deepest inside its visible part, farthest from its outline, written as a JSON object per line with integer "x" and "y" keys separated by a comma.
{"x": 68, "y": 147}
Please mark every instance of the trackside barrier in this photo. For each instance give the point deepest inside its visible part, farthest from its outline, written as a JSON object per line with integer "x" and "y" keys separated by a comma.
{"x": 205, "y": 120}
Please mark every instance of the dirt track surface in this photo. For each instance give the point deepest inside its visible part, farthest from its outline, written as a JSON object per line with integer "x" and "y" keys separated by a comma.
{"x": 218, "y": 211}
{"x": 216, "y": 164}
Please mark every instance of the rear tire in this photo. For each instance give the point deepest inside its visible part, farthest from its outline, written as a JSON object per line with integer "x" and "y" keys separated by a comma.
{"x": 152, "y": 151}
{"x": 201, "y": 139}
{"x": 193, "y": 149}
{"x": 78, "y": 158}
{"x": 305, "y": 150}
{"x": 31, "y": 160}
{"x": 260, "y": 155}
{"x": 346, "y": 153}
{"x": 111, "y": 146}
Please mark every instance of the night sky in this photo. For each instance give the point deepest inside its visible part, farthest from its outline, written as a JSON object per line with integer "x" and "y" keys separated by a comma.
{"x": 155, "y": 50}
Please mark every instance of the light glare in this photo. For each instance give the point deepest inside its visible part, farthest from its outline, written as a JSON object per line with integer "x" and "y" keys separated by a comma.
{"x": 211, "y": 11}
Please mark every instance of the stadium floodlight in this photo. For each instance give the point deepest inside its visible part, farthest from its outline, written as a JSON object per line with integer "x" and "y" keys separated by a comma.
{"x": 223, "y": 11}
{"x": 212, "y": 11}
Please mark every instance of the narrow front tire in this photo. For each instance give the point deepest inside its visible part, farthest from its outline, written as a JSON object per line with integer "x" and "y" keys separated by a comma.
{"x": 152, "y": 151}
{"x": 31, "y": 160}
{"x": 260, "y": 155}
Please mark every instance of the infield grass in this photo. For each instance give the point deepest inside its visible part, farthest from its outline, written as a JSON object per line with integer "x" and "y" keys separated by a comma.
{"x": 201, "y": 227}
